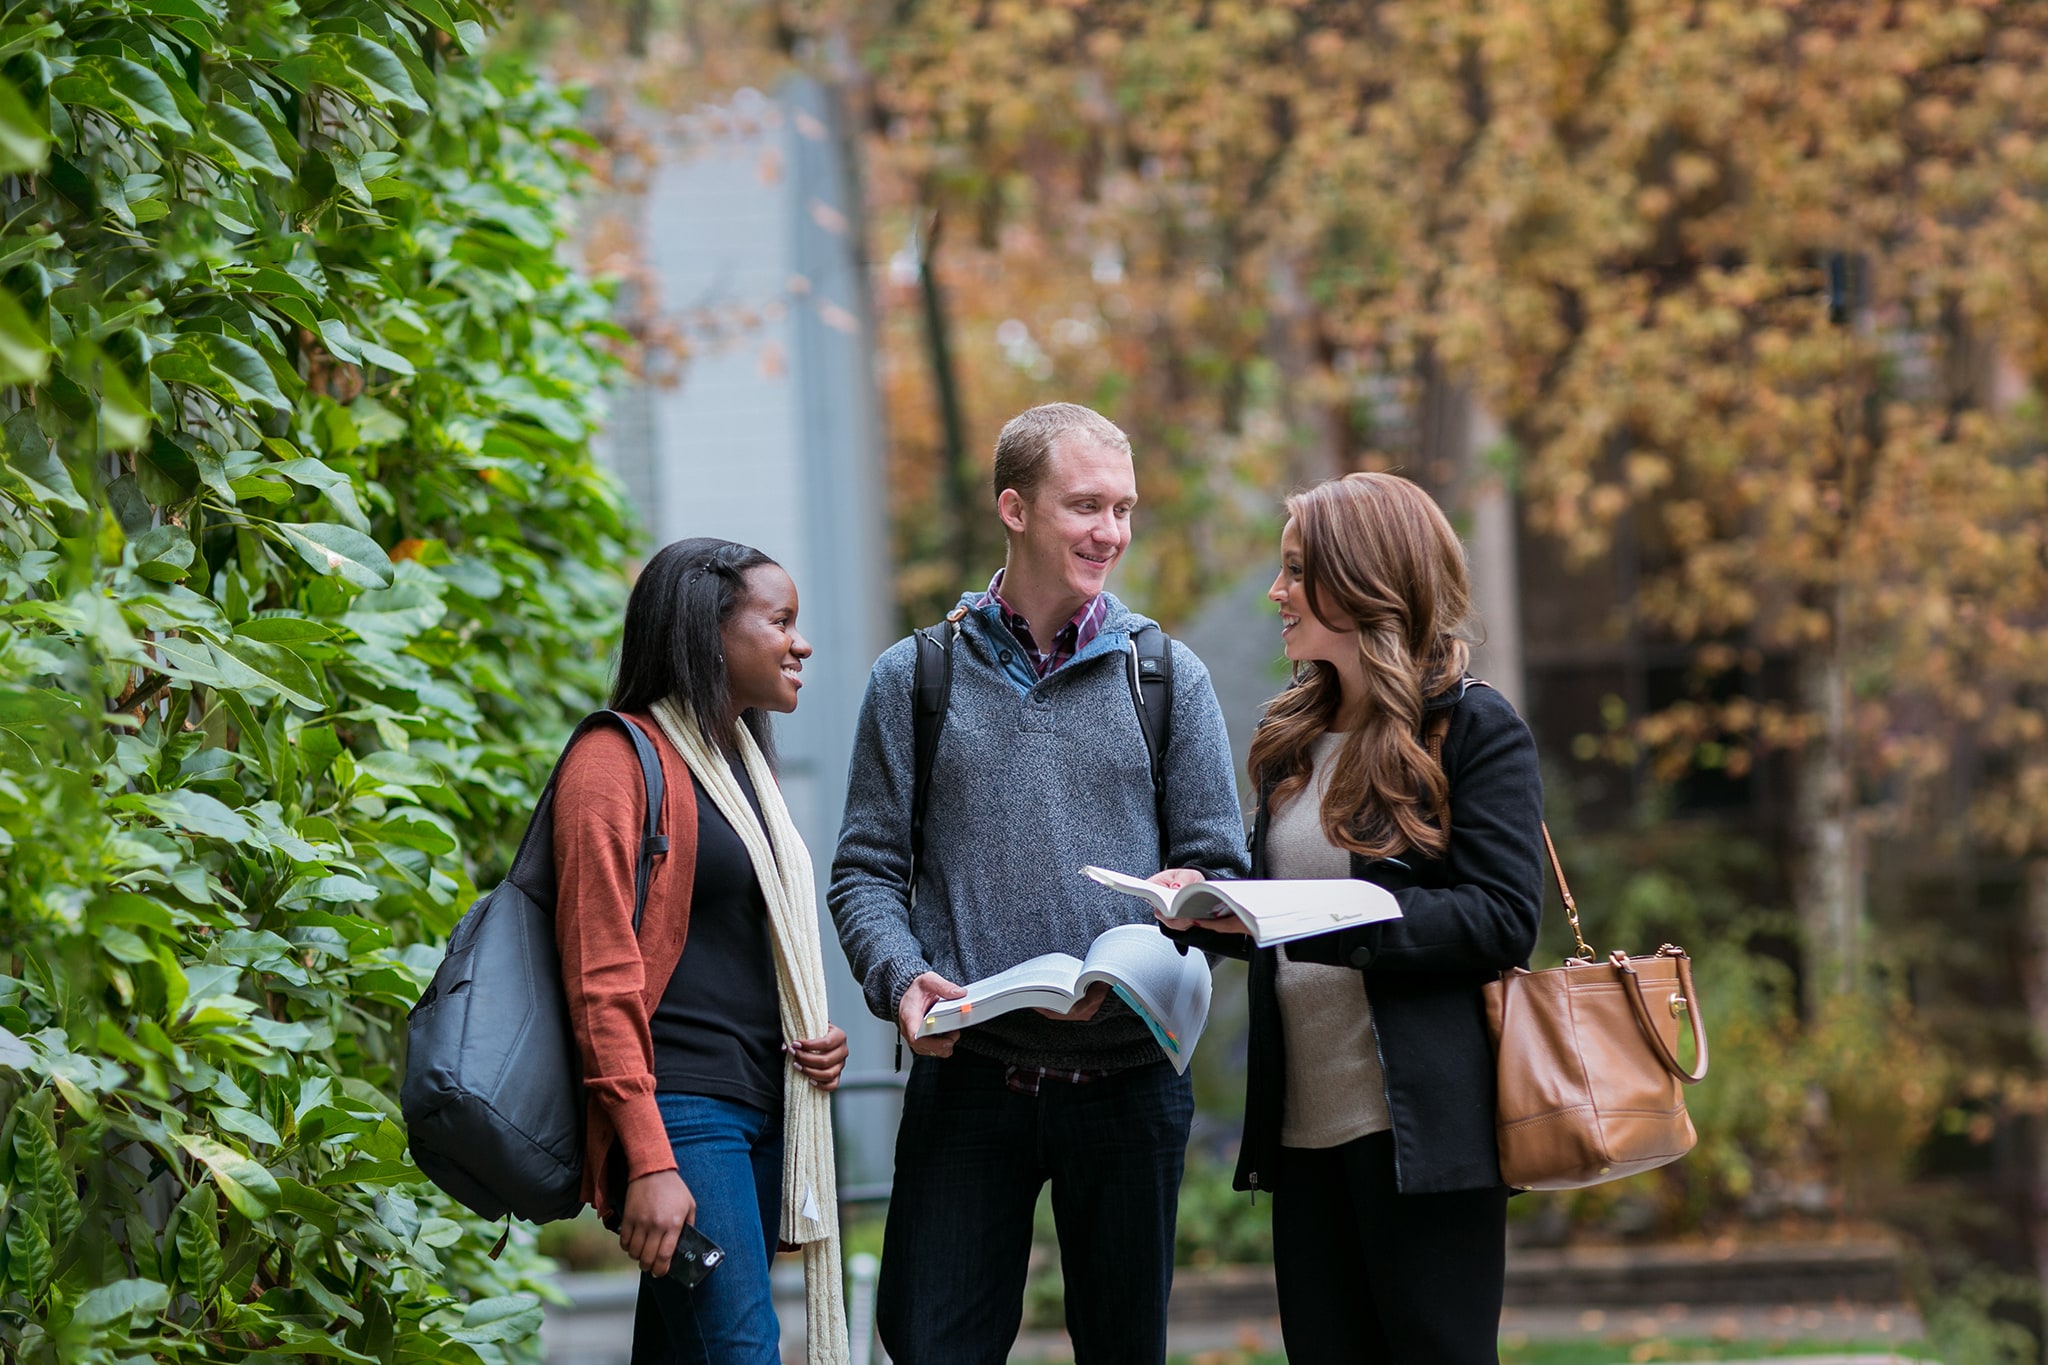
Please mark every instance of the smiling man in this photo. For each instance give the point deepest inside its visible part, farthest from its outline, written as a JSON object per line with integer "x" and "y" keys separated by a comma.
{"x": 1041, "y": 766}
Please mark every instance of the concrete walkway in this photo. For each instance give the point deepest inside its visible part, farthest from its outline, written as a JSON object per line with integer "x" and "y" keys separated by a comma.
{"x": 1894, "y": 1326}
{"x": 598, "y": 1328}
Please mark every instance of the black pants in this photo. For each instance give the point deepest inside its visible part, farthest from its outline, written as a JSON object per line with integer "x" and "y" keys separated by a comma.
{"x": 1369, "y": 1276}
{"x": 971, "y": 1157}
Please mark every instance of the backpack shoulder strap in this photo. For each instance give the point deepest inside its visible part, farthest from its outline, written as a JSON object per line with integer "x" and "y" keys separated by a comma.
{"x": 1152, "y": 694}
{"x": 533, "y": 865}
{"x": 652, "y": 841}
{"x": 931, "y": 691}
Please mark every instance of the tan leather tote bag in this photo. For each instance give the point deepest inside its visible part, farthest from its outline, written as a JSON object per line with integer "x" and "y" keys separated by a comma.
{"x": 1590, "y": 1087}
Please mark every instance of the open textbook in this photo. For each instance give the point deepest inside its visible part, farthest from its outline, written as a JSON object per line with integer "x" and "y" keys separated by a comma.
{"x": 1168, "y": 990}
{"x": 1275, "y": 912}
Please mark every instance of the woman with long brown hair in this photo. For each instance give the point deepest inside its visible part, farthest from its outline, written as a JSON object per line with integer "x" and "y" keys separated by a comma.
{"x": 1369, "y": 1113}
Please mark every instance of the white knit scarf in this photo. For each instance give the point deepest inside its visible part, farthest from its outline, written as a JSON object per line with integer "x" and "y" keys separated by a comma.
{"x": 810, "y": 1187}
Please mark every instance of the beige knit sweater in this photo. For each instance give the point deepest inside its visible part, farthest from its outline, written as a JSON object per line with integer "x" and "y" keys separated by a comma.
{"x": 1335, "y": 1089}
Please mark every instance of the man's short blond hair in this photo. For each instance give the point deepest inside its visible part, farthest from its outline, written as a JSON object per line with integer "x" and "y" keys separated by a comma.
{"x": 1024, "y": 447}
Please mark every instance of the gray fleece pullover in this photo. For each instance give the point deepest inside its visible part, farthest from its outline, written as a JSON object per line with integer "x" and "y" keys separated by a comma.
{"x": 1032, "y": 780}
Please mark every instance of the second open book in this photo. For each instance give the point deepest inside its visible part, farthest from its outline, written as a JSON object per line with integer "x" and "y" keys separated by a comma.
{"x": 1165, "y": 987}
{"x": 1275, "y": 912}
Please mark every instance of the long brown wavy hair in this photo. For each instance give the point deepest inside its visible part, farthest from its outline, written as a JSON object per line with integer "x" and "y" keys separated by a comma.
{"x": 1377, "y": 557}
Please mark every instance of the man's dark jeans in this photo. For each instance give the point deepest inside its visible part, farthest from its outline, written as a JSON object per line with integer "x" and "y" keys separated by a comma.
{"x": 971, "y": 1157}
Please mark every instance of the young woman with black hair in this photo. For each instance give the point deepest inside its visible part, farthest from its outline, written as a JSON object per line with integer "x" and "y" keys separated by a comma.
{"x": 1369, "y": 1111}
{"x": 706, "y": 1051}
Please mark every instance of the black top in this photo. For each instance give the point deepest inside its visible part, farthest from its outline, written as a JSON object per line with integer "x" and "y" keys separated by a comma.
{"x": 1465, "y": 918}
{"x": 717, "y": 1030}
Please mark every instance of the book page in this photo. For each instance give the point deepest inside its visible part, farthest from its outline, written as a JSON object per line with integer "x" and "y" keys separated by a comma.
{"x": 1282, "y": 911}
{"x": 1155, "y": 896}
{"x": 1275, "y": 911}
{"x": 1046, "y": 981}
{"x": 1168, "y": 989}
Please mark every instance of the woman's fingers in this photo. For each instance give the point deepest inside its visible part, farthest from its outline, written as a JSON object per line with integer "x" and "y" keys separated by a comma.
{"x": 821, "y": 1059}
{"x": 666, "y": 1249}
{"x": 631, "y": 1239}
{"x": 657, "y": 1206}
{"x": 833, "y": 1037}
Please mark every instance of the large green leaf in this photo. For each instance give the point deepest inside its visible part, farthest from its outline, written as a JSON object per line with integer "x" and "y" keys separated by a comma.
{"x": 29, "y": 1258}
{"x": 508, "y": 1319}
{"x": 40, "y": 1171}
{"x": 24, "y": 140}
{"x": 245, "y": 138}
{"x": 30, "y": 459}
{"x": 129, "y": 91}
{"x": 280, "y": 670}
{"x": 245, "y": 1183}
{"x": 164, "y": 553}
{"x": 284, "y": 630}
{"x": 230, "y": 369}
{"x": 24, "y": 353}
{"x": 195, "y": 813}
{"x": 355, "y": 65}
{"x": 343, "y": 551}
{"x": 197, "y": 1239}
{"x": 337, "y": 486}
{"x": 134, "y": 1301}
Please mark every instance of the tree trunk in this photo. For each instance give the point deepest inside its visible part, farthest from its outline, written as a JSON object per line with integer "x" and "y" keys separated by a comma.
{"x": 1831, "y": 891}
{"x": 959, "y": 484}
{"x": 2034, "y": 981}
{"x": 1496, "y": 562}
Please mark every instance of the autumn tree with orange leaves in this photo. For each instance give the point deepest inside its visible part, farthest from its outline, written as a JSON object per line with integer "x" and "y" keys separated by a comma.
{"x": 1765, "y": 281}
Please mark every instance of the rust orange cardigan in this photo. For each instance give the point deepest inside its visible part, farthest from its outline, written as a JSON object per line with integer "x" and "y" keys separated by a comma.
{"x": 613, "y": 980}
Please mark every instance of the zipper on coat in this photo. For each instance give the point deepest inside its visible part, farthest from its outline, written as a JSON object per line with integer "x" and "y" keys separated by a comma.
{"x": 1255, "y": 1189}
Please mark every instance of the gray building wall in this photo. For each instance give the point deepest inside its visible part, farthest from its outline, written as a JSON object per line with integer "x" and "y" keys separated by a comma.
{"x": 770, "y": 437}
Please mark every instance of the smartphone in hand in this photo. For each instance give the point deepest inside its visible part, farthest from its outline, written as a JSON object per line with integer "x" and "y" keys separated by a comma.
{"x": 695, "y": 1257}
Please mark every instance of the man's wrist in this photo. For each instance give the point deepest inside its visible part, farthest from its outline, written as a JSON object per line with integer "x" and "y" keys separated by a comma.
{"x": 902, "y": 977}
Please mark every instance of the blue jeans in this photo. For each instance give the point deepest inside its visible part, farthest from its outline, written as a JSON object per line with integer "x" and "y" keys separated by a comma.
{"x": 971, "y": 1157}
{"x": 730, "y": 1155}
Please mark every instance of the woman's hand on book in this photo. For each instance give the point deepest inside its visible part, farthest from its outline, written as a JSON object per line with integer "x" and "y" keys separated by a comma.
{"x": 1084, "y": 1008}
{"x": 1222, "y": 924}
{"x": 918, "y": 999}
{"x": 657, "y": 1206}
{"x": 820, "y": 1059}
{"x": 1173, "y": 879}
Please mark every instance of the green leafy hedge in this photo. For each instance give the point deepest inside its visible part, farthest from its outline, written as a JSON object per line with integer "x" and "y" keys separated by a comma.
{"x": 303, "y": 568}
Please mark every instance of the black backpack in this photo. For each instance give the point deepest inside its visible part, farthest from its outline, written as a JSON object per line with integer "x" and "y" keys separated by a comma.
{"x": 1151, "y": 679}
{"x": 493, "y": 1092}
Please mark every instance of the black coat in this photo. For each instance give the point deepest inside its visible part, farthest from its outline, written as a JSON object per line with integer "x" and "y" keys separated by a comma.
{"x": 1465, "y": 919}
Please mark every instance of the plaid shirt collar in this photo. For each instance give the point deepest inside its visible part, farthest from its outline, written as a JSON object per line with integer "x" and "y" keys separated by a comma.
{"x": 1069, "y": 640}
